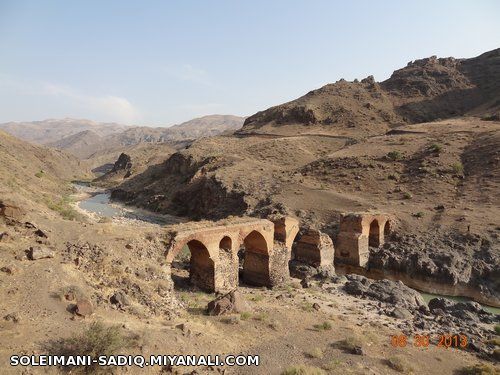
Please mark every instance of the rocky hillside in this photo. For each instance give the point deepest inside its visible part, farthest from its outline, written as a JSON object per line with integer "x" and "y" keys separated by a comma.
{"x": 424, "y": 90}
{"x": 35, "y": 174}
{"x": 79, "y": 144}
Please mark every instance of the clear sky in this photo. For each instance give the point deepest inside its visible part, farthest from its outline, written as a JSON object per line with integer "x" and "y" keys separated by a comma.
{"x": 164, "y": 62}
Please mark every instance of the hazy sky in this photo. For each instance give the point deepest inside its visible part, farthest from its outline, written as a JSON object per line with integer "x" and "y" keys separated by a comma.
{"x": 164, "y": 62}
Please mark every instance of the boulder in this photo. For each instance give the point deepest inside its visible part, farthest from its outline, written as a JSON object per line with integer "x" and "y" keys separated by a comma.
{"x": 232, "y": 302}
{"x": 40, "y": 252}
{"x": 10, "y": 211}
{"x": 394, "y": 293}
{"x": 84, "y": 308}
{"x": 120, "y": 299}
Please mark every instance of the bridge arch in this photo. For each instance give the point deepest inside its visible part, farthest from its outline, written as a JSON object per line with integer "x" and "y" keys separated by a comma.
{"x": 256, "y": 259}
{"x": 374, "y": 234}
{"x": 201, "y": 265}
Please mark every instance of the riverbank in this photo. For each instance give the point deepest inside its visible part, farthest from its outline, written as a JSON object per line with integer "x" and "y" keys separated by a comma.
{"x": 425, "y": 286}
{"x": 95, "y": 203}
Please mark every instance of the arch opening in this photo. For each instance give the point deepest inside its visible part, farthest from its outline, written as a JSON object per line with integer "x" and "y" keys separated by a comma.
{"x": 193, "y": 266}
{"x": 255, "y": 256}
{"x": 374, "y": 236}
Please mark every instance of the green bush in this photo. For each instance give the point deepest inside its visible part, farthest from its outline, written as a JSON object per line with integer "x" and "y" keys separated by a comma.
{"x": 395, "y": 155}
{"x": 435, "y": 148}
{"x": 407, "y": 195}
{"x": 325, "y": 326}
{"x": 457, "y": 168}
{"x": 39, "y": 174}
{"x": 64, "y": 208}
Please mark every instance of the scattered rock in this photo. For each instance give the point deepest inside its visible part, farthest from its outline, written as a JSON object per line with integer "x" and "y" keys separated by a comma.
{"x": 9, "y": 269}
{"x": 120, "y": 299}
{"x": 401, "y": 313}
{"x": 394, "y": 293}
{"x": 12, "y": 317}
{"x": 84, "y": 308}
{"x": 10, "y": 211}
{"x": 40, "y": 233}
{"x": 186, "y": 331}
{"x": 232, "y": 302}
{"x": 40, "y": 252}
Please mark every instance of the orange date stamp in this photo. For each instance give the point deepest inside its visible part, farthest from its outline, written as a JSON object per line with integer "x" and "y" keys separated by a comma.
{"x": 444, "y": 341}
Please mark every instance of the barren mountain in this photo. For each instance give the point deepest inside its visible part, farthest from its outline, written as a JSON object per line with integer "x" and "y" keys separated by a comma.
{"x": 84, "y": 138}
{"x": 80, "y": 144}
{"x": 424, "y": 90}
{"x": 53, "y": 130}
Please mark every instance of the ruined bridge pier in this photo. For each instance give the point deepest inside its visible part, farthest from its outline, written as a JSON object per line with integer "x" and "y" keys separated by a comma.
{"x": 264, "y": 248}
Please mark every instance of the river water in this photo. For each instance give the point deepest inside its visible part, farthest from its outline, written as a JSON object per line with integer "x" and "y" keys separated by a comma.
{"x": 98, "y": 202}
{"x": 428, "y": 296}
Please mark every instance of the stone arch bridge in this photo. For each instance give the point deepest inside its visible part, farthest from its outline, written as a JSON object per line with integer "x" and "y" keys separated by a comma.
{"x": 267, "y": 244}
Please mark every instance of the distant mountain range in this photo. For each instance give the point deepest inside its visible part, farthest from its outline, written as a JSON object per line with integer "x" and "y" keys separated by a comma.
{"x": 85, "y": 138}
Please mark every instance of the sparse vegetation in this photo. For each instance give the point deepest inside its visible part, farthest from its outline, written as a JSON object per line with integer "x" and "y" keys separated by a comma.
{"x": 497, "y": 329}
{"x": 325, "y": 326}
{"x": 307, "y": 306}
{"x": 399, "y": 364}
{"x": 303, "y": 370}
{"x": 407, "y": 195}
{"x": 418, "y": 215}
{"x": 479, "y": 369}
{"x": 332, "y": 365}
{"x": 261, "y": 316}
{"x": 395, "y": 155}
{"x": 457, "y": 168}
{"x": 350, "y": 345}
{"x": 256, "y": 298}
{"x": 245, "y": 315}
{"x": 69, "y": 293}
{"x": 64, "y": 208}
{"x": 96, "y": 340}
{"x": 39, "y": 174}
{"x": 315, "y": 353}
{"x": 436, "y": 148}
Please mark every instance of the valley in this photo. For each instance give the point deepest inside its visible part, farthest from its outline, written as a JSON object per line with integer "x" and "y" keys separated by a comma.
{"x": 305, "y": 233}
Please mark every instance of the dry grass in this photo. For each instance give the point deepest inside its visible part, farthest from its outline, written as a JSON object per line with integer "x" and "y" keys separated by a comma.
{"x": 399, "y": 364}
{"x": 303, "y": 370}
{"x": 96, "y": 340}
{"x": 314, "y": 353}
{"x": 325, "y": 326}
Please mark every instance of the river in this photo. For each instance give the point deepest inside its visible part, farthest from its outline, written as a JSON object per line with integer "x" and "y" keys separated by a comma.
{"x": 97, "y": 203}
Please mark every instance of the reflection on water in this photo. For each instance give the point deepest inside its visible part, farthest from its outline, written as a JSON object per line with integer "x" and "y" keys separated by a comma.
{"x": 427, "y": 297}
